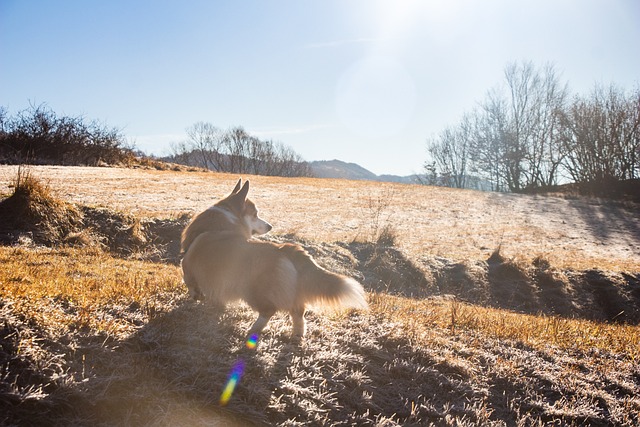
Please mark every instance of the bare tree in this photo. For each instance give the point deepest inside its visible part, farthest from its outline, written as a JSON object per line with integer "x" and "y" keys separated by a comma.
{"x": 236, "y": 147}
{"x": 543, "y": 154}
{"x": 205, "y": 140}
{"x": 3, "y": 120}
{"x": 289, "y": 163}
{"x": 526, "y": 135}
{"x": 489, "y": 147}
{"x": 518, "y": 133}
{"x": 602, "y": 136}
{"x": 450, "y": 153}
{"x": 236, "y": 151}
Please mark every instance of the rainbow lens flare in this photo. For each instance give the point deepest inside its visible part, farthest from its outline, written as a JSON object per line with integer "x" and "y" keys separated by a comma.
{"x": 252, "y": 341}
{"x": 236, "y": 372}
{"x": 232, "y": 381}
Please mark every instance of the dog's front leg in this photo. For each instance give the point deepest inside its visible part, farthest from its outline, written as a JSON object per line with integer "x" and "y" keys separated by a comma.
{"x": 297, "y": 319}
{"x": 261, "y": 322}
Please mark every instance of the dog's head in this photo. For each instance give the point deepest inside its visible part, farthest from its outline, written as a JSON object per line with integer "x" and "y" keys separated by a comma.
{"x": 245, "y": 210}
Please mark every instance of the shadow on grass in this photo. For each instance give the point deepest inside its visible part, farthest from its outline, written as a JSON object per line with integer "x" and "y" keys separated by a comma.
{"x": 499, "y": 282}
{"x": 349, "y": 370}
{"x": 346, "y": 372}
{"x": 170, "y": 372}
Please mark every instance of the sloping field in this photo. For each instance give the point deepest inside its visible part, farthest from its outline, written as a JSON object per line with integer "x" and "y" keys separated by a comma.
{"x": 579, "y": 233}
{"x": 97, "y": 329}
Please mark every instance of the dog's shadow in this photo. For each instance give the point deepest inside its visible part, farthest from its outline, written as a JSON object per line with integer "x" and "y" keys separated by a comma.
{"x": 348, "y": 370}
{"x": 173, "y": 370}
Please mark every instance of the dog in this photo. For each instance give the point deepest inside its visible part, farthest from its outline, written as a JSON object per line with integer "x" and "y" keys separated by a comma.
{"x": 222, "y": 263}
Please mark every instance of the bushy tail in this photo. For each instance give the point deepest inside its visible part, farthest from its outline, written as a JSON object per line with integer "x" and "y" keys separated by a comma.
{"x": 333, "y": 290}
{"x": 321, "y": 287}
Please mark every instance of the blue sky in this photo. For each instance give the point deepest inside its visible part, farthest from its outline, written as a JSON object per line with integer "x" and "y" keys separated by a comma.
{"x": 365, "y": 81}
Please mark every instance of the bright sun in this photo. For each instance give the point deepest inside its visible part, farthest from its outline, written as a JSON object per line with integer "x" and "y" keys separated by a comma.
{"x": 400, "y": 18}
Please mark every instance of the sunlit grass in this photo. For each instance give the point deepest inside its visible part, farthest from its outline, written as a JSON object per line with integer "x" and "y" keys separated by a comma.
{"x": 454, "y": 224}
{"x": 82, "y": 282}
{"x": 418, "y": 318}
{"x": 73, "y": 293}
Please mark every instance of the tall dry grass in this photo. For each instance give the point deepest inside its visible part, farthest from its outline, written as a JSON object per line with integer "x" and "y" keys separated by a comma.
{"x": 415, "y": 319}
{"x": 122, "y": 342}
{"x": 33, "y": 208}
{"x": 84, "y": 284}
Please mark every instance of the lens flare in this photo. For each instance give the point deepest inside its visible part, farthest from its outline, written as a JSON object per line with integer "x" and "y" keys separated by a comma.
{"x": 236, "y": 372}
{"x": 232, "y": 381}
{"x": 252, "y": 341}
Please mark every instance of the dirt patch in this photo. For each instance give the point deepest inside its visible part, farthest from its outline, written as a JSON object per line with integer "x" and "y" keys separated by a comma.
{"x": 539, "y": 288}
{"x": 127, "y": 235}
{"x": 388, "y": 270}
{"x": 499, "y": 282}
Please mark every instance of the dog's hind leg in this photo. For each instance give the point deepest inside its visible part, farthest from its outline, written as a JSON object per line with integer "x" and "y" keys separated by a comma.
{"x": 297, "y": 318}
{"x": 261, "y": 322}
{"x": 191, "y": 284}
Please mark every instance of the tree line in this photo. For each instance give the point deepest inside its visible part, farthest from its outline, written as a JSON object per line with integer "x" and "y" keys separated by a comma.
{"x": 530, "y": 133}
{"x": 37, "y": 135}
{"x": 236, "y": 151}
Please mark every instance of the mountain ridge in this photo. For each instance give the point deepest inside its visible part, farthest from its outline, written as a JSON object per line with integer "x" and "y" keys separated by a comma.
{"x": 345, "y": 170}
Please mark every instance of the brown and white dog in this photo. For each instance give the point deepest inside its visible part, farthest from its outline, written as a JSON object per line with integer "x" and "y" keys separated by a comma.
{"x": 222, "y": 263}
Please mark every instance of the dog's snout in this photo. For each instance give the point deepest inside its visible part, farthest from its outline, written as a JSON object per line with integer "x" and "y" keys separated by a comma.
{"x": 263, "y": 229}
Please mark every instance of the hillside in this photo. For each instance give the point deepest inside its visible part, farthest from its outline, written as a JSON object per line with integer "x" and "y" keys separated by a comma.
{"x": 573, "y": 232}
{"x": 485, "y": 309}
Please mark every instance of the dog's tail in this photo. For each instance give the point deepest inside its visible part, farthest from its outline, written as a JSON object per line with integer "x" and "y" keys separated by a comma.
{"x": 321, "y": 287}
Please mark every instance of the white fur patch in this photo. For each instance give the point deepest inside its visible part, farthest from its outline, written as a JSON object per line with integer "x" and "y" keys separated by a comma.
{"x": 353, "y": 296}
{"x": 228, "y": 214}
{"x": 288, "y": 271}
{"x": 283, "y": 295}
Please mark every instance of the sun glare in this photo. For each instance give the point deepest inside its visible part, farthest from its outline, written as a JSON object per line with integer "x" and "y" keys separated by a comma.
{"x": 404, "y": 18}
{"x": 396, "y": 17}
{"x": 376, "y": 96}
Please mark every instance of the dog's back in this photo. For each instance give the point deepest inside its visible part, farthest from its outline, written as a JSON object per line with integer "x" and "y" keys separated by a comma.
{"x": 223, "y": 220}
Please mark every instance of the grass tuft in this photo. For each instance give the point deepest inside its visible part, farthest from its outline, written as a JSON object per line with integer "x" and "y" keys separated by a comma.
{"x": 34, "y": 209}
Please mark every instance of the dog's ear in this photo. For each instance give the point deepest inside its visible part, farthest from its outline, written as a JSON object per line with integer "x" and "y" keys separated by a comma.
{"x": 244, "y": 191}
{"x": 237, "y": 187}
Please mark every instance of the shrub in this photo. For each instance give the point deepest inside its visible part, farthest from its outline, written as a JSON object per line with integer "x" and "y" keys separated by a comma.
{"x": 38, "y": 136}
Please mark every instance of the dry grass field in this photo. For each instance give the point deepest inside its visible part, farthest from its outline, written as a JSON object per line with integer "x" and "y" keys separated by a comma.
{"x": 579, "y": 233}
{"x": 485, "y": 309}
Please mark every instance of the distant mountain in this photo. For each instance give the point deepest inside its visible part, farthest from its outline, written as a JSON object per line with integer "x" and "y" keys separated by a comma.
{"x": 344, "y": 170}
{"x": 340, "y": 169}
